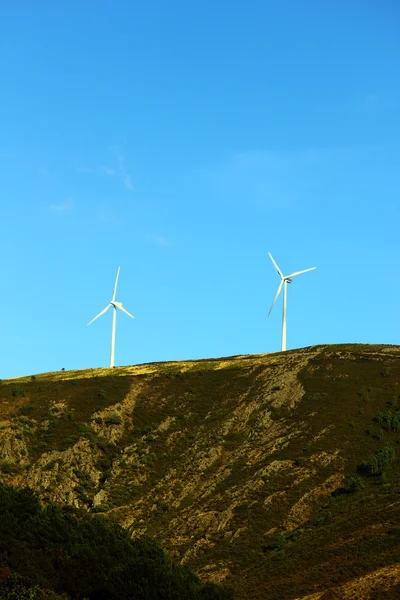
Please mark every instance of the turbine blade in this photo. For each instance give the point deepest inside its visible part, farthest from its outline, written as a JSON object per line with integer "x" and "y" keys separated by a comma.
{"x": 125, "y": 311}
{"x": 276, "y": 296}
{"x": 300, "y": 272}
{"x": 275, "y": 265}
{"x": 115, "y": 286}
{"x": 100, "y": 313}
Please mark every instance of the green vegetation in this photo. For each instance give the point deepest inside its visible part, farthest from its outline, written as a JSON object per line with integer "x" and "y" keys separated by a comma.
{"x": 25, "y": 410}
{"x": 113, "y": 420}
{"x": 15, "y": 587}
{"x": 19, "y": 391}
{"x": 355, "y": 484}
{"x": 83, "y": 556}
{"x": 389, "y": 420}
{"x": 6, "y": 467}
{"x": 379, "y": 462}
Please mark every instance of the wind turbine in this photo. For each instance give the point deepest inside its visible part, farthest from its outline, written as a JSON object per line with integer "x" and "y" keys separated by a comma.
{"x": 284, "y": 282}
{"x": 115, "y": 305}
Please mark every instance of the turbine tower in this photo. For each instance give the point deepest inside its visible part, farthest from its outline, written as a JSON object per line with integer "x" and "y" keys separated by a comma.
{"x": 115, "y": 305}
{"x": 284, "y": 282}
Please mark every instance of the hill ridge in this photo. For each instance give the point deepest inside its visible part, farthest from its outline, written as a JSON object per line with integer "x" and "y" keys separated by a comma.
{"x": 232, "y": 464}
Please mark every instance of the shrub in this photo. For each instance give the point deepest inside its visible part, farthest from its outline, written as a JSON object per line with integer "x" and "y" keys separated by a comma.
{"x": 25, "y": 410}
{"x": 6, "y": 467}
{"x": 355, "y": 484}
{"x": 280, "y": 541}
{"x": 376, "y": 432}
{"x": 113, "y": 420}
{"x": 161, "y": 506}
{"x": 85, "y": 430}
{"x": 70, "y": 441}
{"x": 388, "y": 420}
{"x": 146, "y": 430}
{"x": 323, "y": 519}
{"x": 16, "y": 587}
{"x": 19, "y": 391}
{"x": 378, "y": 463}
{"x": 148, "y": 459}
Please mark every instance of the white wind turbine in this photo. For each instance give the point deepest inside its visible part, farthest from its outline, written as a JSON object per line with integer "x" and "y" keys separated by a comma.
{"x": 115, "y": 305}
{"x": 284, "y": 282}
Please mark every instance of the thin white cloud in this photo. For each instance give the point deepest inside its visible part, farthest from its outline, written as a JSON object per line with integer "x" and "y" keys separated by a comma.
{"x": 284, "y": 180}
{"x": 107, "y": 171}
{"x": 102, "y": 169}
{"x": 43, "y": 172}
{"x": 123, "y": 171}
{"x": 155, "y": 238}
{"x": 85, "y": 170}
{"x": 127, "y": 182}
{"x": 66, "y": 206}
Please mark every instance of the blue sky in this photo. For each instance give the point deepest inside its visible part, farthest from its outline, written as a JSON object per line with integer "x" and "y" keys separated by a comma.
{"x": 183, "y": 141}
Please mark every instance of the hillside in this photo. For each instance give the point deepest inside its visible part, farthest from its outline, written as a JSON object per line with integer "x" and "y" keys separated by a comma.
{"x": 60, "y": 553}
{"x": 277, "y": 474}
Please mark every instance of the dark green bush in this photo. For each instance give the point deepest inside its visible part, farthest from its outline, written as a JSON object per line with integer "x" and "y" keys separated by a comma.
{"x": 85, "y": 430}
{"x": 355, "y": 484}
{"x": 376, "y": 432}
{"x": 19, "y": 391}
{"x": 6, "y": 467}
{"x": 25, "y": 410}
{"x": 70, "y": 441}
{"x": 146, "y": 430}
{"x": 16, "y": 587}
{"x": 389, "y": 421}
{"x": 378, "y": 463}
{"x": 113, "y": 420}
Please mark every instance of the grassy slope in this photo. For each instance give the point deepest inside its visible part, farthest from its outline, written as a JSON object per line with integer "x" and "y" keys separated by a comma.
{"x": 229, "y": 463}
